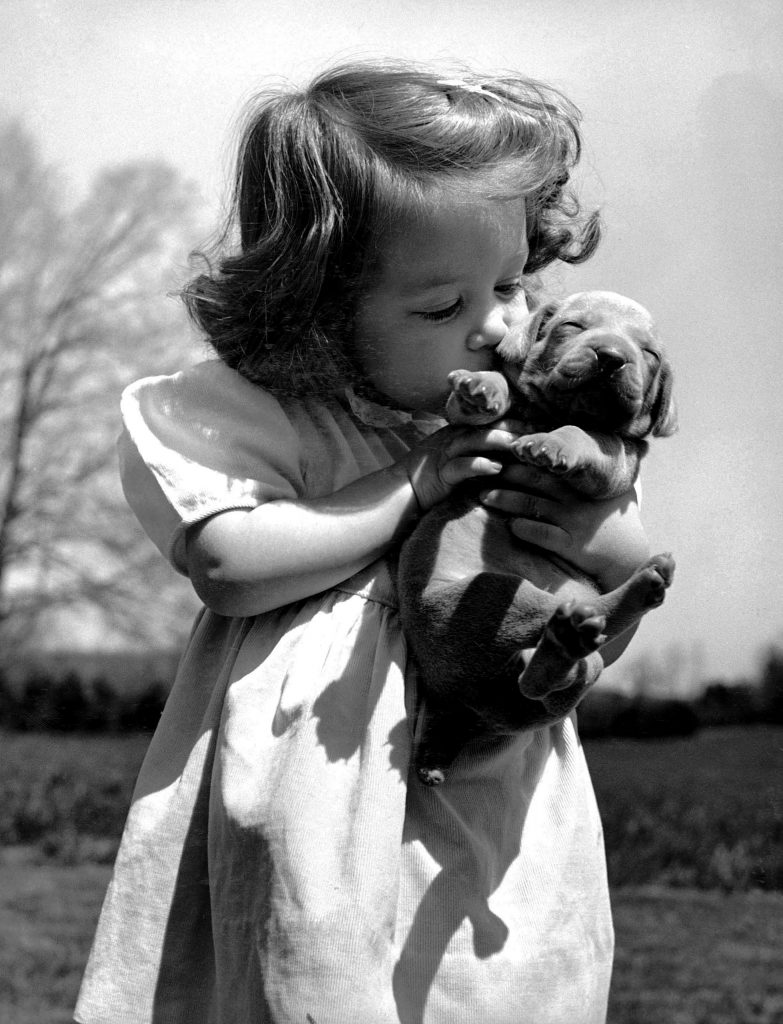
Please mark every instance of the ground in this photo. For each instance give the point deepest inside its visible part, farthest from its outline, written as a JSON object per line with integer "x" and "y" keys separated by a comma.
{"x": 694, "y": 831}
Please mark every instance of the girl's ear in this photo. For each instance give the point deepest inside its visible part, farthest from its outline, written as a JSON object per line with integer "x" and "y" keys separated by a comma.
{"x": 523, "y": 335}
{"x": 663, "y": 414}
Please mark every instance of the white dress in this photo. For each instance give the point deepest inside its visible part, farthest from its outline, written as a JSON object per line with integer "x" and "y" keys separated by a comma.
{"x": 279, "y": 863}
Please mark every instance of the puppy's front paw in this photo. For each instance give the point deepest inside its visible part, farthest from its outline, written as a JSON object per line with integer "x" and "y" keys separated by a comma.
{"x": 476, "y": 398}
{"x": 548, "y": 452}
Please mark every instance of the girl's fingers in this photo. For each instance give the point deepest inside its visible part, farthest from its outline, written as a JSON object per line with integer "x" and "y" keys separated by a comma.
{"x": 463, "y": 468}
{"x": 520, "y": 503}
{"x": 471, "y": 440}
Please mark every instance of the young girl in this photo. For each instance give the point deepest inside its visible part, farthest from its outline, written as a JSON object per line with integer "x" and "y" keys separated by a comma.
{"x": 279, "y": 864}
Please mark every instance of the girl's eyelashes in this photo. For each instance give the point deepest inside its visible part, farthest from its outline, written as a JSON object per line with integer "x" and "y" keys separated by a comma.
{"x": 510, "y": 288}
{"x": 439, "y": 315}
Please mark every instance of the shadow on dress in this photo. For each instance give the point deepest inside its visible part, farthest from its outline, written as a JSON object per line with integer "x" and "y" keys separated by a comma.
{"x": 475, "y": 844}
{"x": 342, "y": 712}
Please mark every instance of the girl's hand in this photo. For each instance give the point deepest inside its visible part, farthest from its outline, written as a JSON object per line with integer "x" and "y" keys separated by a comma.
{"x": 453, "y": 454}
{"x": 604, "y": 539}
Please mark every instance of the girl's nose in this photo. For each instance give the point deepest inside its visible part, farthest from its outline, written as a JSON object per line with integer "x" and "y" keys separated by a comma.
{"x": 491, "y": 331}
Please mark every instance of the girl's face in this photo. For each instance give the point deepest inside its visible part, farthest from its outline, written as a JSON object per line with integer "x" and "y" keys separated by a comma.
{"x": 447, "y": 287}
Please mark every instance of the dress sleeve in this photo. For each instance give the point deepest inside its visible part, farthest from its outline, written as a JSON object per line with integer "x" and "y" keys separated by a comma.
{"x": 200, "y": 442}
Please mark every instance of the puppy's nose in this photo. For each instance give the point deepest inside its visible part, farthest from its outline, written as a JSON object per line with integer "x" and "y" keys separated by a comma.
{"x": 610, "y": 358}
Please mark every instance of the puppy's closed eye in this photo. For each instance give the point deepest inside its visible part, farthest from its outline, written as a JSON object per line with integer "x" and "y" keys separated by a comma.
{"x": 567, "y": 329}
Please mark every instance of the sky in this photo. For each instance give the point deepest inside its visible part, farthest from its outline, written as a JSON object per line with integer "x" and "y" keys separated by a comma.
{"x": 684, "y": 152}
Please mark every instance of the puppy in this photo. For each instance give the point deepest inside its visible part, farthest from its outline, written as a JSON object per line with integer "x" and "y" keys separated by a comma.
{"x": 505, "y": 636}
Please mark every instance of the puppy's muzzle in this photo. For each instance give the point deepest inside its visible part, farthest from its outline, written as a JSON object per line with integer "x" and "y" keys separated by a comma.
{"x": 601, "y": 376}
{"x": 598, "y": 358}
{"x": 610, "y": 359}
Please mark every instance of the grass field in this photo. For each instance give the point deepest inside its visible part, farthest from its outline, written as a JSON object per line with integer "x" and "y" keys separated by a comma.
{"x": 704, "y": 812}
{"x": 48, "y": 913}
{"x": 690, "y": 957}
{"x": 694, "y": 843}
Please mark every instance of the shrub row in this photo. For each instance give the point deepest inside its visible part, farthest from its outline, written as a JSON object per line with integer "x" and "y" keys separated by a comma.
{"x": 44, "y": 703}
{"x": 610, "y": 713}
{"x": 66, "y": 704}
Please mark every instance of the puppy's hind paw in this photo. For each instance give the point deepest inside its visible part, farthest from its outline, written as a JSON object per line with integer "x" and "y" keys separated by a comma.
{"x": 578, "y": 628}
{"x": 656, "y": 577}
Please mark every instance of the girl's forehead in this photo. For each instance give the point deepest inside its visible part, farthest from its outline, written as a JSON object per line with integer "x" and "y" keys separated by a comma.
{"x": 432, "y": 242}
{"x": 481, "y": 197}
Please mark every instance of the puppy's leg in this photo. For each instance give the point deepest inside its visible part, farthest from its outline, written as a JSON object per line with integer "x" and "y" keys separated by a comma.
{"x": 598, "y": 465}
{"x": 565, "y": 658}
{"x": 567, "y": 661}
{"x": 646, "y": 589}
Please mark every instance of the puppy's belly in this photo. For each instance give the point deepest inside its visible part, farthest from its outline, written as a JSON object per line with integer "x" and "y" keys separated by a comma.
{"x": 479, "y": 541}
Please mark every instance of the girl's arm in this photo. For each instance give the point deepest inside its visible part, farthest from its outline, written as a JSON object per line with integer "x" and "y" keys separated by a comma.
{"x": 244, "y": 562}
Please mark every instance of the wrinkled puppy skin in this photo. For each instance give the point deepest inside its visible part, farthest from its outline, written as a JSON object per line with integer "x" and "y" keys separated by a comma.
{"x": 505, "y": 637}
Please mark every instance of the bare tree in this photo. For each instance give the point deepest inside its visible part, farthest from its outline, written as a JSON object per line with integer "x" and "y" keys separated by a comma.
{"x": 83, "y": 310}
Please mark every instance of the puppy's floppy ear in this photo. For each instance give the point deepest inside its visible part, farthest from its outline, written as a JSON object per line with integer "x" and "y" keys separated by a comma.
{"x": 517, "y": 343}
{"x": 663, "y": 414}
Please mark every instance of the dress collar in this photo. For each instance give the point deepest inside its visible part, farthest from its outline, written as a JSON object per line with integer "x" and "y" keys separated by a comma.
{"x": 373, "y": 414}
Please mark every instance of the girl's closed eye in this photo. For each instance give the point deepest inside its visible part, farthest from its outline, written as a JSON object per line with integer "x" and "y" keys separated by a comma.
{"x": 441, "y": 315}
{"x": 510, "y": 289}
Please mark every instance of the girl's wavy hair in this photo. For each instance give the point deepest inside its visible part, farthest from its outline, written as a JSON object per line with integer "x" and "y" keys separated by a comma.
{"x": 321, "y": 171}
